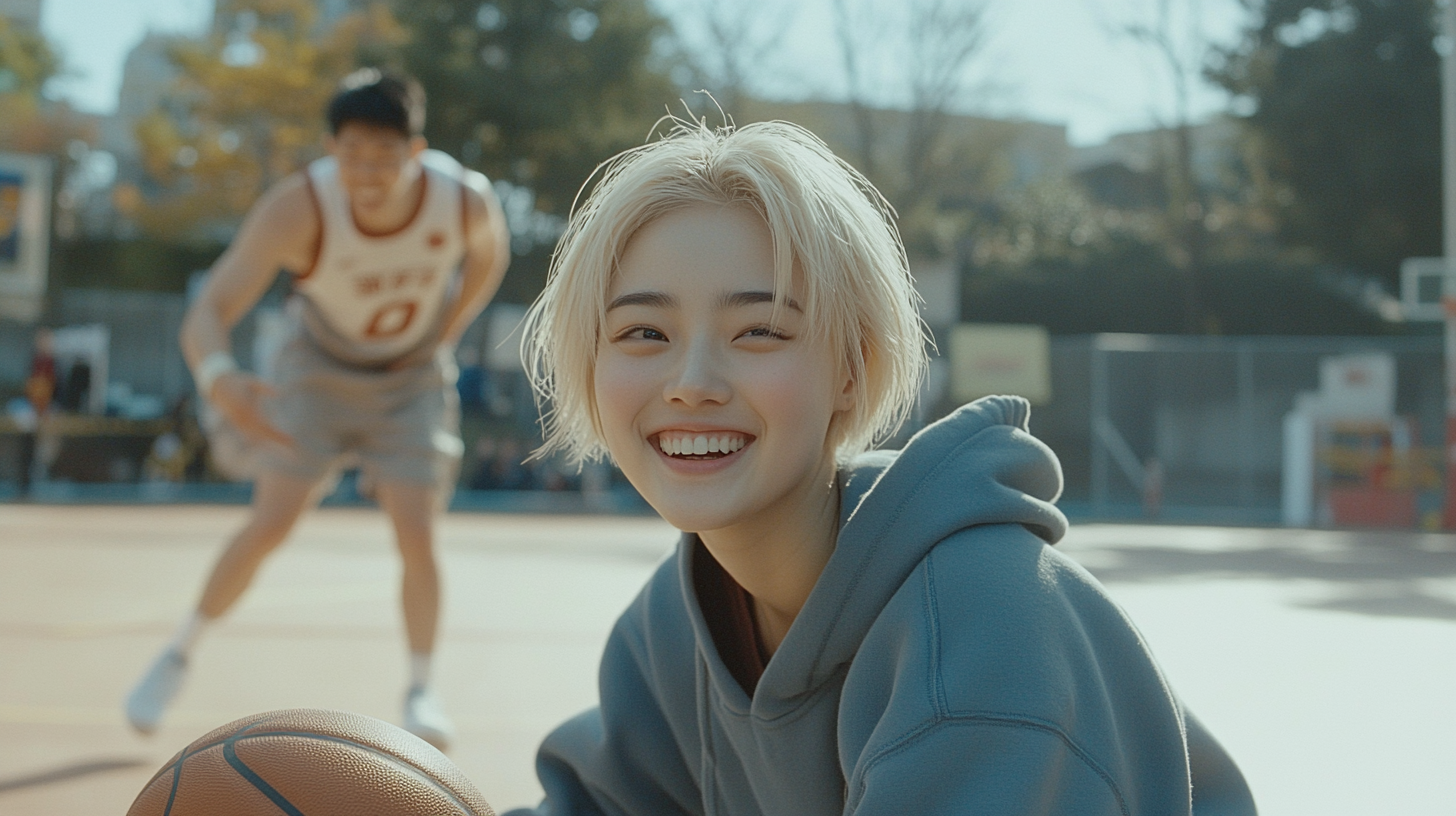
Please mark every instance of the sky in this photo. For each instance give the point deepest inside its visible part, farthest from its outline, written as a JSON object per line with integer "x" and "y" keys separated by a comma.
{"x": 1057, "y": 61}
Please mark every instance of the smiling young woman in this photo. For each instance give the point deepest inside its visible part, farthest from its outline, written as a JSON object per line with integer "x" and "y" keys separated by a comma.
{"x": 731, "y": 320}
{"x": 693, "y": 357}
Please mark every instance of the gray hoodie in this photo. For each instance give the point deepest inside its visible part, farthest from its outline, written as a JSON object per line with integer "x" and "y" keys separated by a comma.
{"x": 947, "y": 661}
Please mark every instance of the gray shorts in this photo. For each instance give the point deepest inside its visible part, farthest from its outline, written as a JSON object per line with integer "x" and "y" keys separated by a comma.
{"x": 396, "y": 426}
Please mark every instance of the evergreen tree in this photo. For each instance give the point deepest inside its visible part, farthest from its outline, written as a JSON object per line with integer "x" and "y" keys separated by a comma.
{"x": 1346, "y": 113}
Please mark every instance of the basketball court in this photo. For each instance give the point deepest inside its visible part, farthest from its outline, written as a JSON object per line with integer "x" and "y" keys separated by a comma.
{"x": 1323, "y": 660}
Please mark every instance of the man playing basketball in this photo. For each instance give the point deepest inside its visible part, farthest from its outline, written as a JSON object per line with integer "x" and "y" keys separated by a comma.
{"x": 393, "y": 250}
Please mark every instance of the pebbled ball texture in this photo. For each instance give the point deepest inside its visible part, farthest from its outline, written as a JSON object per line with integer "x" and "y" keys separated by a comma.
{"x": 309, "y": 762}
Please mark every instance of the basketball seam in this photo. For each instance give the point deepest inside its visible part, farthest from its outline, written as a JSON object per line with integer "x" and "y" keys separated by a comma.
{"x": 257, "y": 781}
{"x": 440, "y": 784}
{"x": 172, "y": 797}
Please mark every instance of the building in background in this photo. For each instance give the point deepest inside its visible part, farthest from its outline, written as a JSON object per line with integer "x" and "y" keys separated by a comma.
{"x": 1127, "y": 171}
{"x": 146, "y": 78}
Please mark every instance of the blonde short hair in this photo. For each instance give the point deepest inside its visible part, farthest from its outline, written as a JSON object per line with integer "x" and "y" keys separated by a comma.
{"x": 824, "y": 218}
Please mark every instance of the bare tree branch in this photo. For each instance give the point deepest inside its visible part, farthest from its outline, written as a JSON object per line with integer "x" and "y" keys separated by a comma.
{"x": 742, "y": 36}
{"x": 944, "y": 34}
{"x": 927, "y": 45}
{"x": 848, "y": 26}
{"x": 1181, "y": 56}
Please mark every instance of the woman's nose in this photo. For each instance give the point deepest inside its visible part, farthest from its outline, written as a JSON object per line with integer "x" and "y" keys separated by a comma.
{"x": 699, "y": 377}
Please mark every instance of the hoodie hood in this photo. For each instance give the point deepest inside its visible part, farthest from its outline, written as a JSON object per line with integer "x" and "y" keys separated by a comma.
{"x": 979, "y": 465}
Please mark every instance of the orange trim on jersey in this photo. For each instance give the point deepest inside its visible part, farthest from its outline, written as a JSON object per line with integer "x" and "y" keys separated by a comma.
{"x": 318, "y": 211}
{"x": 409, "y": 222}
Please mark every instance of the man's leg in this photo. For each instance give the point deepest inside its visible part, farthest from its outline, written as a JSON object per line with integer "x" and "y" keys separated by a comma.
{"x": 411, "y": 510}
{"x": 278, "y": 501}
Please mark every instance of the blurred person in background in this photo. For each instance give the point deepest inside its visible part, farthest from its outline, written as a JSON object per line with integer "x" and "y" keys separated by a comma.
{"x": 40, "y": 389}
{"x": 393, "y": 250}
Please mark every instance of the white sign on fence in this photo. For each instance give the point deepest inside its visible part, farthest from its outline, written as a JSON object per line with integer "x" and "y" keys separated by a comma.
{"x": 988, "y": 358}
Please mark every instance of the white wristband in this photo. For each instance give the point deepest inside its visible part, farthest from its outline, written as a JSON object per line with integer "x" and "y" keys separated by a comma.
{"x": 213, "y": 366}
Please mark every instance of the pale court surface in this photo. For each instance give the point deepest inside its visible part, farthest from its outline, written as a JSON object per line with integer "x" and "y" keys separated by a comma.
{"x": 1323, "y": 661}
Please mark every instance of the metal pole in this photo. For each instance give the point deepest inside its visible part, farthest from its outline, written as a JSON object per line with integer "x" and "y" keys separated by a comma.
{"x": 1245, "y": 391}
{"x": 1448, "y": 121}
{"x": 1099, "y": 416}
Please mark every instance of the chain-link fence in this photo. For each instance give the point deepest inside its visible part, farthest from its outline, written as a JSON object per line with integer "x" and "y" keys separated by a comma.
{"x": 1184, "y": 428}
{"x": 1191, "y": 428}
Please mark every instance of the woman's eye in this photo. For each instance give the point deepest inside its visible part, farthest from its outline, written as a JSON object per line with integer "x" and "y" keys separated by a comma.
{"x": 642, "y": 333}
{"x": 765, "y": 331}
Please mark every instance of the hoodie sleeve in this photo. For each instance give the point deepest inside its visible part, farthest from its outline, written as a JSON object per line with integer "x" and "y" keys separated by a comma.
{"x": 1000, "y": 680}
{"x": 627, "y": 756}
{"x": 1004, "y": 767}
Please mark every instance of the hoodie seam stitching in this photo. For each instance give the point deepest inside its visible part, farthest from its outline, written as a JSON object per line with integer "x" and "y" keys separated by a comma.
{"x": 879, "y": 535}
{"x": 932, "y": 620}
{"x": 910, "y": 738}
{"x": 707, "y": 762}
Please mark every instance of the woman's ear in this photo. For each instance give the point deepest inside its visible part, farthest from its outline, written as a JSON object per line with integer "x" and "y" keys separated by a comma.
{"x": 849, "y": 391}
{"x": 845, "y": 399}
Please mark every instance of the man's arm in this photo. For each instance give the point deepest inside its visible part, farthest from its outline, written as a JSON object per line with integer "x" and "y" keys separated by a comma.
{"x": 281, "y": 231}
{"x": 487, "y": 254}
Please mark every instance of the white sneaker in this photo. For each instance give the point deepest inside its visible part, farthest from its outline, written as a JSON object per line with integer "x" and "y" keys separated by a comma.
{"x": 148, "y": 701}
{"x": 424, "y": 719}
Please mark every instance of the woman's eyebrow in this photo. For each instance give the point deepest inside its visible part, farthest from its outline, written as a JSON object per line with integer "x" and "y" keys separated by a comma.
{"x": 661, "y": 300}
{"x": 753, "y": 297}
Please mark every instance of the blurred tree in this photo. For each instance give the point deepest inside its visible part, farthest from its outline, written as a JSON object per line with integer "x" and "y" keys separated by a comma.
{"x": 905, "y": 67}
{"x": 538, "y": 93}
{"x": 1056, "y": 257}
{"x": 1173, "y": 32}
{"x": 248, "y": 109}
{"x": 26, "y": 61}
{"x": 740, "y": 39}
{"x": 1344, "y": 99}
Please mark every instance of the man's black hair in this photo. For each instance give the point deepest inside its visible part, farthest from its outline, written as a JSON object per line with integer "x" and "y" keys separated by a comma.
{"x": 372, "y": 97}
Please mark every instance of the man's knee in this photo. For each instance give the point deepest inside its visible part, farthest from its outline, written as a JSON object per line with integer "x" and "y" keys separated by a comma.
{"x": 278, "y": 502}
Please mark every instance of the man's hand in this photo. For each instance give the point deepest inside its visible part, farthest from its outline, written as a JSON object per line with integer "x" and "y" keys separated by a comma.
{"x": 239, "y": 396}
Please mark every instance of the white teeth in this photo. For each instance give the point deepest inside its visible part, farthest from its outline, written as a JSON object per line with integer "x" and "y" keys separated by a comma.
{"x": 699, "y": 445}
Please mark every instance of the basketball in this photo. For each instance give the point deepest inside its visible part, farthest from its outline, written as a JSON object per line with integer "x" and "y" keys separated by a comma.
{"x": 309, "y": 761}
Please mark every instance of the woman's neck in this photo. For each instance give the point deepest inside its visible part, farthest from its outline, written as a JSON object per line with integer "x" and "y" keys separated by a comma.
{"x": 777, "y": 557}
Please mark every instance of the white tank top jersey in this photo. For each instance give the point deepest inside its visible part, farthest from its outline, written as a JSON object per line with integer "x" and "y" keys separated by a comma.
{"x": 370, "y": 298}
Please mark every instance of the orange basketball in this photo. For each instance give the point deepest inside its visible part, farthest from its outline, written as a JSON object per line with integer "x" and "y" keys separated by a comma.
{"x": 309, "y": 762}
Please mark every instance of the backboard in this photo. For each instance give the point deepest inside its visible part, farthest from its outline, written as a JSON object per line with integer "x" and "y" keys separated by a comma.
{"x": 1423, "y": 282}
